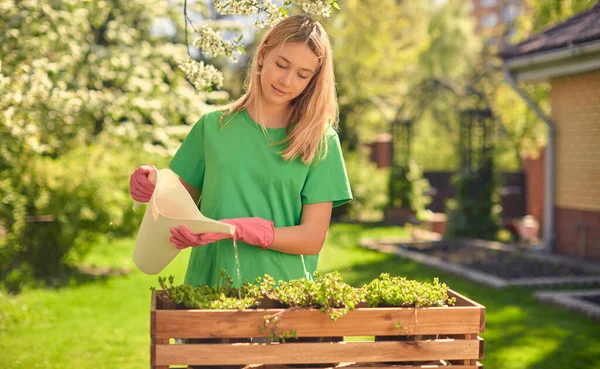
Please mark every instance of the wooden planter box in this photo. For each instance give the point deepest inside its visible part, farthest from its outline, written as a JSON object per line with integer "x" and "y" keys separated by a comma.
{"x": 404, "y": 337}
{"x": 437, "y": 223}
{"x": 397, "y": 216}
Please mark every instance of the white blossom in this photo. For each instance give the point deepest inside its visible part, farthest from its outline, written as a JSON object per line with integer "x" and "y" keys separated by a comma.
{"x": 274, "y": 14}
{"x": 268, "y": 14}
{"x": 203, "y": 77}
{"x": 236, "y": 7}
{"x": 210, "y": 41}
{"x": 315, "y": 8}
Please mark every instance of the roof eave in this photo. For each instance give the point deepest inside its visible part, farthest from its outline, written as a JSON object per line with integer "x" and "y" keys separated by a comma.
{"x": 542, "y": 66}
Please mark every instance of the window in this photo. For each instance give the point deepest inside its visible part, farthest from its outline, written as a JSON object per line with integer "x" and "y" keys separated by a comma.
{"x": 488, "y": 3}
{"x": 489, "y": 20}
{"x": 509, "y": 12}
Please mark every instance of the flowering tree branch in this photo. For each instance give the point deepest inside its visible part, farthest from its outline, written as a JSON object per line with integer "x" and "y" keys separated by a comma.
{"x": 206, "y": 77}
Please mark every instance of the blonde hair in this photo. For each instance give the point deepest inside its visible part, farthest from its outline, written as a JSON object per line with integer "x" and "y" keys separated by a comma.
{"x": 316, "y": 108}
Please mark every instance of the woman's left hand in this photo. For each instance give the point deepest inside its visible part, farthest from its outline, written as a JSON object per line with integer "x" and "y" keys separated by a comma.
{"x": 255, "y": 231}
{"x": 183, "y": 237}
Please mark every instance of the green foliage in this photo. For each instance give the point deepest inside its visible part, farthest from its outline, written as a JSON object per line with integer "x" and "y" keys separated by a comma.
{"x": 12, "y": 222}
{"x": 408, "y": 188}
{"x": 453, "y": 47}
{"x": 328, "y": 293}
{"x": 542, "y": 14}
{"x": 524, "y": 133}
{"x": 225, "y": 296}
{"x": 399, "y": 291}
{"x": 450, "y": 53}
{"x": 434, "y": 146}
{"x": 376, "y": 46}
{"x": 80, "y": 81}
{"x": 75, "y": 69}
{"x": 85, "y": 192}
{"x": 368, "y": 185}
{"x": 33, "y": 324}
{"x": 475, "y": 212}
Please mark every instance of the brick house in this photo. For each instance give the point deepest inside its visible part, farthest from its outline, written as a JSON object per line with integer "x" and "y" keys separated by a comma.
{"x": 567, "y": 56}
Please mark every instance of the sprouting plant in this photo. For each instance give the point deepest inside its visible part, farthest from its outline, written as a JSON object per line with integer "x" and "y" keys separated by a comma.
{"x": 328, "y": 293}
{"x": 402, "y": 292}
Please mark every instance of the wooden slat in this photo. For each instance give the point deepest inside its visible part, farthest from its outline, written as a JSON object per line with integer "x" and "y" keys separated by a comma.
{"x": 465, "y": 301}
{"x": 153, "y": 313}
{"x": 474, "y": 336}
{"x": 154, "y": 304}
{"x": 480, "y": 341}
{"x": 409, "y": 367}
{"x": 462, "y": 300}
{"x": 472, "y": 361}
{"x": 315, "y": 353}
{"x": 441, "y": 364}
{"x": 467, "y": 317}
{"x": 153, "y": 345}
{"x": 382, "y": 366}
{"x": 456, "y": 364}
{"x": 313, "y": 323}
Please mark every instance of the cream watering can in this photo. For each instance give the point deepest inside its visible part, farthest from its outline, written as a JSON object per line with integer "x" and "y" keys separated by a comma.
{"x": 170, "y": 206}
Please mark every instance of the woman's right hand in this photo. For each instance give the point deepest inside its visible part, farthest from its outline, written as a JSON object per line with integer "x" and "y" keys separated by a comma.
{"x": 140, "y": 187}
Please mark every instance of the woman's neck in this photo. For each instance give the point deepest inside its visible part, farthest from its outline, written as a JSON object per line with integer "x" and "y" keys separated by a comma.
{"x": 271, "y": 116}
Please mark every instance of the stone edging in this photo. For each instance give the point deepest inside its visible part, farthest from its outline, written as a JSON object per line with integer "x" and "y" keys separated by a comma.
{"x": 539, "y": 255}
{"x": 472, "y": 274}
{"x": 569, "y": 300}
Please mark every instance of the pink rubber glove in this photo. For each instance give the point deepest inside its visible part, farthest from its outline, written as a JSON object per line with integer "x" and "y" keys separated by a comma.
{"x": 255, "y": 231}
{"x": 140, "y": 188}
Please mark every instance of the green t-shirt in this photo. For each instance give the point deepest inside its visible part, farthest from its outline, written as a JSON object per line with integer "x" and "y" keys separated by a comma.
{"x": 241, "y": 174}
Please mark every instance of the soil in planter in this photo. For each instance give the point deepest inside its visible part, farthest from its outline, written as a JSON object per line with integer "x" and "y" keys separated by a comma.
{"x": 594, "y": 299}
{"x": 504, "y": 264}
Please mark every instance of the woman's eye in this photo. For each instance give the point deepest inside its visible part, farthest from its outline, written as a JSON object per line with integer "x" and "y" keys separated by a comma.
{"x": 281, "y": 66}
{"x": 301, "y": 76}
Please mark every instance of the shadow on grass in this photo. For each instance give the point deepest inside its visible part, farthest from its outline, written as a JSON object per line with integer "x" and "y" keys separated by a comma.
{"x": 66, "y": 276}
{"x": 80, "y": 275}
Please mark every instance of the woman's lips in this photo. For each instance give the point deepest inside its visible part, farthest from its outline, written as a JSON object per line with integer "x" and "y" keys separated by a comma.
{"x": 278, "y": 91}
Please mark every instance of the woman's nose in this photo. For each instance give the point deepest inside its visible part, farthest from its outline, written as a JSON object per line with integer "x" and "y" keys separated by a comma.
{"x": 286, "y": 78}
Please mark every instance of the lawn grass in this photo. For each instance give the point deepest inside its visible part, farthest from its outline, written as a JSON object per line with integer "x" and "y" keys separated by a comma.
{"x": 104, "y": 322}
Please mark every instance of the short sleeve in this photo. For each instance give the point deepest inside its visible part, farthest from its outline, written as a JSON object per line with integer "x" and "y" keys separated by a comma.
{"x": 327, "y": 179}
{"x": 189, "y": 160}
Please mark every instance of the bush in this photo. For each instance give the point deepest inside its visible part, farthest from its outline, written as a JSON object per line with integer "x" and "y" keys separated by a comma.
{"x": 476, "y": 211}
{"x": 85, "y": 192}
{"x": 368, "y": 185}
{"x": 408, "y": 188}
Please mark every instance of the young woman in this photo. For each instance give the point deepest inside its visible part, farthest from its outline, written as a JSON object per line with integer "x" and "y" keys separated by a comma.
{"x": 270, "y": 164}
